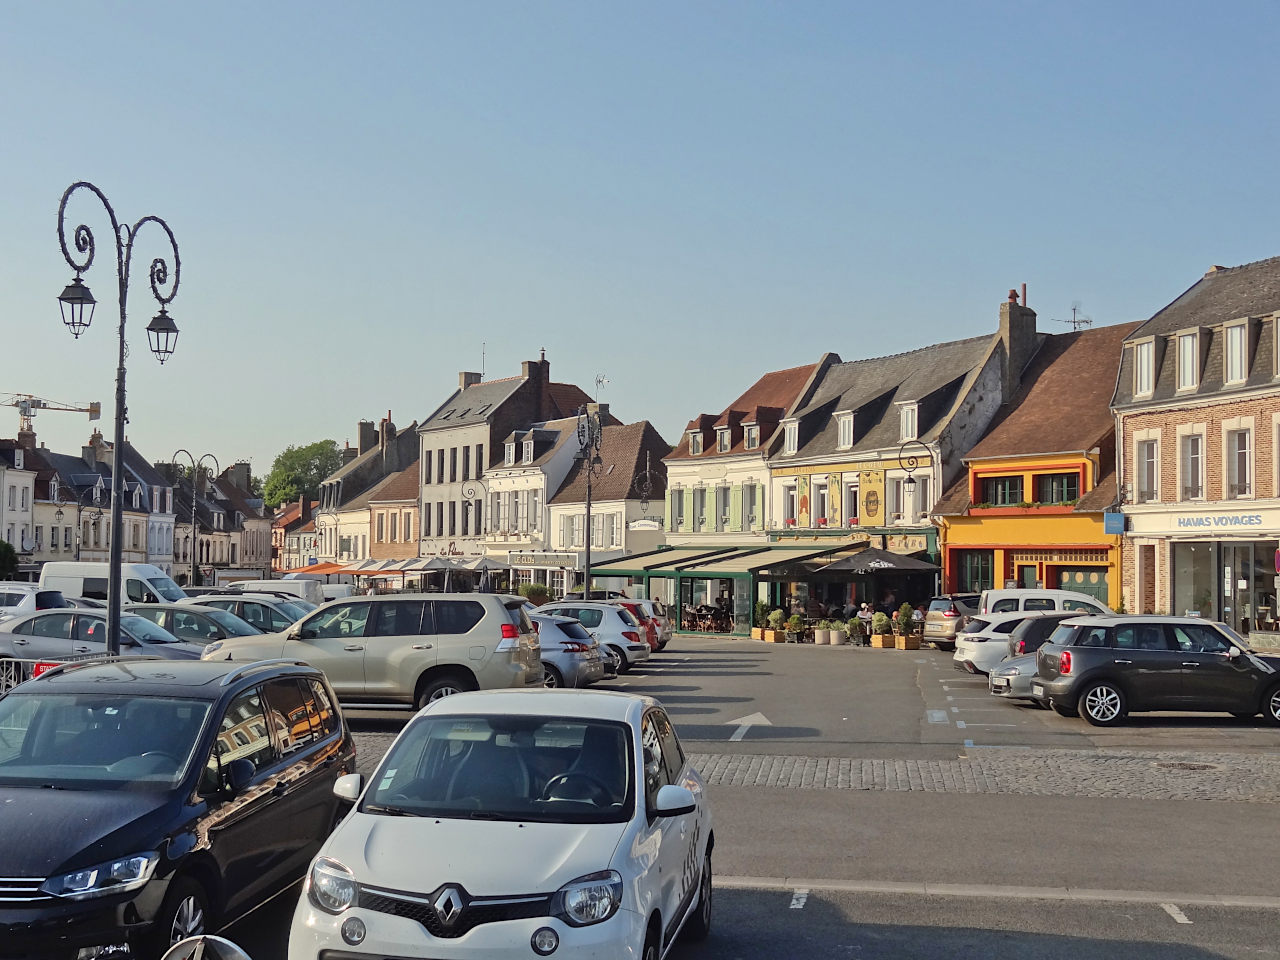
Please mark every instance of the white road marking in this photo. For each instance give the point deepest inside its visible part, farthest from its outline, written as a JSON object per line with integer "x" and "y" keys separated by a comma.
{"x": 960, "y": 724}
{"x": 955, "y": 709}
{"x": 746, "y": 723}
{"x": 798, "y": 898}
{"x": 968, "y": 743}
{"x": 937, "y": 716}
{"x": 1174, "y": 912}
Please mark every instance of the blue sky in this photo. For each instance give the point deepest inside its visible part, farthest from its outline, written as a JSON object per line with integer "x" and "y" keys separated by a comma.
{"x": 676, "y": 196}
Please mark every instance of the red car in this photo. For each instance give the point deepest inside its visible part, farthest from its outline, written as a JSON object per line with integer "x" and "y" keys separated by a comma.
{"x": 651, "y": 633}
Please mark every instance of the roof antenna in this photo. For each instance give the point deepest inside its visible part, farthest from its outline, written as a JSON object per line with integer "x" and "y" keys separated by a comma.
{"x": 1078, "y": 321}
{"x": 482, "y": 346}
{"x": 601, "y": 380}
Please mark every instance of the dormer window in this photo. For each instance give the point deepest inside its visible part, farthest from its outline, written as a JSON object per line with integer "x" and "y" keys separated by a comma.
{"x": 1188, "y": 361}
{"x": 53, "y": 489}
{"x": 1144, "y": 368}
{"x": 509, "y": 459}
{"x": 1235, "y": 353}
{"x": 19, "y": 456}
{"x": 907, "y": 422}
{"x": 790, "y": 436}
{"x": 844, "y": 424}
{"x": 695, "y": 443}
{"x": 751, "y": 438}
{"x": 722, "y": 441}
{"x": 528, "y": 451}
{"x": 137, "y": 498}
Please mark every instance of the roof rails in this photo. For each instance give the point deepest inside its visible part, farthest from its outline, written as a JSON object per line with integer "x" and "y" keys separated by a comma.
{"x": 257, "y": 665}
{"x": 70, "y": 665}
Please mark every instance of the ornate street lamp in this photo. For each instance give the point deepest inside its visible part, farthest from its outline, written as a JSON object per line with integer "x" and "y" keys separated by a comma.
{"x": 76, "y": 304}
{"x": 469, "y": 490}
{"x": 195, "y": 478}
{"x": 590, "y": 434}
{"x": 79, "y": 505}
{"x": 909, "y": 462}
{"x": 643, "y": 484}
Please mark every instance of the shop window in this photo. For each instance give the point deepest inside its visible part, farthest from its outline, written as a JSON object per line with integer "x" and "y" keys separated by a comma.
{"x": 1191, "y": 460}
{"x": 1146, "y": 465}
{"x": 1002, "y": 491}
{"x": 1058, "y": 488}
{"x": 1239, "y": 464}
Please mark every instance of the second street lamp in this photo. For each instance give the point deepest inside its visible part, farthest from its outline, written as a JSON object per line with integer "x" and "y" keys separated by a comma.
{"x": 77, "y": 304}
{"x": 589, "y": 438}
{"x": 195, "y": 478}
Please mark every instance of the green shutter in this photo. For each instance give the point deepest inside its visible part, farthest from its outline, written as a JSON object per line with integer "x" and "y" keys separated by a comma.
{"x": 688, "y": 510}
{"x": 671, "y": 510}
{"x": 735, "y": 508}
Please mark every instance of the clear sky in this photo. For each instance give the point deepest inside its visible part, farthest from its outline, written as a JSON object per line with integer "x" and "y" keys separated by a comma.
{"x": 678, "y": 196}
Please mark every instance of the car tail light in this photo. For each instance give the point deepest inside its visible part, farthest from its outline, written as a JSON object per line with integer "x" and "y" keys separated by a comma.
{"x": 1022, "y": 646}
{"x": 575, "y": 646}
{"x": 1064, "y": 663}
{"x": 510, "y": 637}
{"x": 951, "y": 611}
{"x": 631, "y": 635}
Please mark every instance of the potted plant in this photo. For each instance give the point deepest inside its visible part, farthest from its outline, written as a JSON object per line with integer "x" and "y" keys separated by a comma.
{"x": 535, "y": 593}
{"x": 881, "y": 631}
{"x": 822, "y": 632}
{"x": 839, "y": 632}
{"x": 906, "y": 637}
{"x": 773, "y": 627}
{"x": 795, "y": 628}
{"x": 760, "y": 620}
{"x": 857, "y": 632}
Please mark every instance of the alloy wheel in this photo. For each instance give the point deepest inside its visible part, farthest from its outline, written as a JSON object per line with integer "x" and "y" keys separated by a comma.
{"x": 1273, "y": 706}
{"x": 188, "y": 921}
{"x": 1102, "y": 703}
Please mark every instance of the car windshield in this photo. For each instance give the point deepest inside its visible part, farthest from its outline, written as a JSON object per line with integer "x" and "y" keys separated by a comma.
{"x": 97, "y": 741}
{"x": 296, "y": 608}
{"x": 544, "y": 769}
{"x": 167, "y": 589}
{"x": 144, "y": 631}
{"x": 229, "y": 622}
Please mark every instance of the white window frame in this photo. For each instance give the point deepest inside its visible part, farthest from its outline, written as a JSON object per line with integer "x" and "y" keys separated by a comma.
{"x": 699, "y": 517}
{"x": 528, "y": 451}
{"x": 695, "y": 443}
{"x": 1191, "y": 487}
{"x": 509, "y": 458}
{"x": 1236, "y": 355}
{"x": 722, "y": 519}
{"x": 844, "y": 429}
{"x": 1231, "y": 480}
{"x": 750, "y": 506}
{"x": 790, "y": 437}
{"x": 789, "y": 504}
{"x": 751, "y": 436}
{"x": 723, "y": 440}
{"x": 1144, "y": 368}
{"x": 1140, "y": 438}
{"x": 816, "y": 515}
{"x": 1188, "y": 351}
{"x": 907, "y": 425}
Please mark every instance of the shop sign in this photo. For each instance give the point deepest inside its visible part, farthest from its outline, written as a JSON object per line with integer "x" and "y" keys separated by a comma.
{"x": 1113, "y": 523}
{"x": 542, "y": 559}
{"x": 1221, "y": 520}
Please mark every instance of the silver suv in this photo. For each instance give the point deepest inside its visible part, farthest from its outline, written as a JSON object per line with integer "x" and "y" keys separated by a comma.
{"x": 405, "y": 650}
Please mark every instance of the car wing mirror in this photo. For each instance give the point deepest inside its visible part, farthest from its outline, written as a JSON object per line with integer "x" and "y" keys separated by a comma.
{"x": 348, "y": 787}
{"x": 673, "y": 801}
{"x": 1234, "y": 652}
{"x": 238, "y": 777}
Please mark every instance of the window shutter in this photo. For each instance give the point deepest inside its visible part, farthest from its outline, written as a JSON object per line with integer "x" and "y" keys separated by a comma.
{"x": 735, "y": 508}
{"x": 688, "y": 510}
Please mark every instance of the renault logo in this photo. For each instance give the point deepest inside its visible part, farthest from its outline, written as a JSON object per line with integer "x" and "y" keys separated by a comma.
{"x": 448, "y": 904}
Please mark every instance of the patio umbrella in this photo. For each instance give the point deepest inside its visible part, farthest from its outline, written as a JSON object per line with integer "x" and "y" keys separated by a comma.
{"x": 875, "y": 560}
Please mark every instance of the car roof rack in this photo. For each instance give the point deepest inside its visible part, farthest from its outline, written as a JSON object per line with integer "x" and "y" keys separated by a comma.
{"x": 69, "y": 665}
{"x": 257, "y": 665}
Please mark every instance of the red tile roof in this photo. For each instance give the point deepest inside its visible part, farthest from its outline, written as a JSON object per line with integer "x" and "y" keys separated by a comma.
{"x": 398, "y": 486}
{"x": 778, "y": 390}
{"x": 622, "y": 448}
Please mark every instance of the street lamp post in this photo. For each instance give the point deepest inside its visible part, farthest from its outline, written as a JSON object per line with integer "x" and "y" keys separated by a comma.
{"x": 589, "y": 439}
{"x": 77, "y": 305}
{"x": 195, "y": 479}
{"x": 909, "y": 462}
{"x": 79, "y": 505}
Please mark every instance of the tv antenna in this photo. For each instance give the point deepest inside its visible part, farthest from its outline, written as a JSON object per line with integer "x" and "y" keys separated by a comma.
{"x": 601, "y": 380}
{"x": 1078, "y": 321}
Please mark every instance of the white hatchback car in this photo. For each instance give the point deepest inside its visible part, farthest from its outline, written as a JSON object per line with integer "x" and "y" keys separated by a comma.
{"x": 984, "y": 641}
{"x": 505, "y": 824}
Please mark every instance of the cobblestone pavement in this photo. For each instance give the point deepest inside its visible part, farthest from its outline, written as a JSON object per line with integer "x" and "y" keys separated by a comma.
{"x": 1062, "y": 773}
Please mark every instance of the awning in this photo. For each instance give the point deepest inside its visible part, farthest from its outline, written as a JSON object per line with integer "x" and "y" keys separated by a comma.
{"x": 658, "y": 562}
{"x": 749, "y": 561}
{"x": 874, "y": 560}
{"x": 325, "y": 568}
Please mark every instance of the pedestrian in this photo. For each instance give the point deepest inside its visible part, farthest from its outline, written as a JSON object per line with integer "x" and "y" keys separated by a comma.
{"x": 864, "y": 614}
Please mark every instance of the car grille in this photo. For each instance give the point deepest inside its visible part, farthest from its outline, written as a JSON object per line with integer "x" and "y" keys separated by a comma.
{"x": 477, "y": 911}
{"x": 21, "y": 890}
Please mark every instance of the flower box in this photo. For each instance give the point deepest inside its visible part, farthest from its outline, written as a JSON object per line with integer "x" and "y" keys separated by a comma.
{"x": 757, "y": 633}
{"x": 882, "y": 641}
{"x": 853, "y": 521}
{"x": 775, "y": 636}
{"x": 1014, "y": 511}
{"x": 822, "y": 521}
{"x": 908, "y": 642}
{"x": 790, "y": 521}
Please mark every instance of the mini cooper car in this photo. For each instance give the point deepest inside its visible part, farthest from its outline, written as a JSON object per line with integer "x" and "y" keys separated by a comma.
{"x": 523, "y": 823}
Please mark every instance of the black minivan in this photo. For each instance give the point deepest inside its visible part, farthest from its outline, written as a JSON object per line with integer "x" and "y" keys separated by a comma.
{"x": 143, "y": 801}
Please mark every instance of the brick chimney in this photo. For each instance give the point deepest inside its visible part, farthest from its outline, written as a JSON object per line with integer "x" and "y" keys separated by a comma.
{"x": 349, "y": 453}
{"x": 92, "y": 453}
{"x": 467, "y": 379}
{"x": 27, "y": 440}
{"x": 367, "y": 434}
{"x": 538, "y": 372}
{"x": 386, "y": 432}
{"x": 304, "y": 508}
{"x": 1018, "y": 336}
{"x": 239, "y": 475}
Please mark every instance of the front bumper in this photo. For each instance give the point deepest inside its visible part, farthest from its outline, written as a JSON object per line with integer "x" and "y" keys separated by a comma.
{"x": 58, "y": 929}
{"x": 316, "y": 935}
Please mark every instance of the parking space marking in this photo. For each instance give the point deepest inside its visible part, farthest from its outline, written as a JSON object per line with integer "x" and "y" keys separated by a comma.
{"x": 798, "y": 898}
{"x": 937, "y": 716}
{"x": 1174, "y": 912}
{"x": 968, "y": 743}
{"x": 960, "y": 724}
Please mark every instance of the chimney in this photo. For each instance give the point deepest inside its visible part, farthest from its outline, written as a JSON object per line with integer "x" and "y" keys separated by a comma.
{"x": 367, "y": 433}
{"x": 467, "y": 379}
{"x": 27, "y": 440}
{"x": 90, "y": 453}
{"x": 600, "y": 408}
{"x": 304, "y": 508}
{"x": 238, "y": 474}
{"x": 386, "y": 432}
{"x": 538, "y": 372}
{"x": 1018, "y": 335}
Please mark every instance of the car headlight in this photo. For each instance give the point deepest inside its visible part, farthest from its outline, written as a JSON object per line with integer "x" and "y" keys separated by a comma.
{"x": 331, "y": 886}
{"x": 590, "y": 899}
{"x": 114, "y": 876}
{"x": 210, "y": 649}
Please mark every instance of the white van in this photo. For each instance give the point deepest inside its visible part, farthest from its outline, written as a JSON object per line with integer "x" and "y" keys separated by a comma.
{"x": 1035, "y": 598}
{"x": 140, "y": 582}
{"x": 309, "y": 590}
{"x": 337, "y": 591}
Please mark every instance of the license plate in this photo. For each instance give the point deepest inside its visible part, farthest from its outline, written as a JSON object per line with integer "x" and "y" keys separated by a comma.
{"x": 999, "y": 683}
{"x": 1037, "y": 689}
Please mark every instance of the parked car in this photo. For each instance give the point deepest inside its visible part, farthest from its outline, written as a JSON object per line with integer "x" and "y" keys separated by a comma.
{"x": 595, "y": 595}
{"x": 605, "y": 830}
{"x": 656, "y": 611}
{"x": 570, "y": 656}
{"x": 404, "y": 650}
{"x": 984, "y": 641}
{"x": 202, "y": 591}
{"x": 77, "y": 632}
{"x": 1035, "y": 598}
{"x": 310, "y": 590}
{"x": 647, "y": 623}
{"x": 148, "y": 801}
{"x": 945, "y": 616}
{"x": 1107, "y": 667}
{"x": 1034, "y": 632}
{"x": 19, "y": 598}
{"x": 1011, "y": 679}
{"x": 613, "y": 626}
{"x": 269, "y": 614}
{"x": 195, "y": 624}
{"x": 140, "y": 582}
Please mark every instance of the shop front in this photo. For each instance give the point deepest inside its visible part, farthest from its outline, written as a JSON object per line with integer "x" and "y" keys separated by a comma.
{"x": 1221, "y": 562}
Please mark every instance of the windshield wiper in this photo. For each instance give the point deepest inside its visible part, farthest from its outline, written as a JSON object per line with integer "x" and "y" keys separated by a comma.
{"x": 389, "y": 811}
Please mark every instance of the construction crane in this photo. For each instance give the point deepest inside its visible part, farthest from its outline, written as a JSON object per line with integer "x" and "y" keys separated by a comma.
{"x": 28, "y": 405}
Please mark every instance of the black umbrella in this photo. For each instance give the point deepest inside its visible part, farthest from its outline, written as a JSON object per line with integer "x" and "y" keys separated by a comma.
{"x": 875, "y": 560}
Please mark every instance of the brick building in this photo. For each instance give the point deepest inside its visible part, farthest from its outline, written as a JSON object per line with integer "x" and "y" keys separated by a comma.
{"x": 1197, "y": 403}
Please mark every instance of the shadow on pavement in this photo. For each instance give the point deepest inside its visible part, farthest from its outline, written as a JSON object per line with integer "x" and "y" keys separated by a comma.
{"x": 722, "y": 731}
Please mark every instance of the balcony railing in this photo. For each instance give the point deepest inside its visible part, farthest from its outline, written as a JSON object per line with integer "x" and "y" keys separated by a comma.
{"x": 1192, "y": 493}
{"x": 1146, "y": 496}
{"x": 1239, "y": 489}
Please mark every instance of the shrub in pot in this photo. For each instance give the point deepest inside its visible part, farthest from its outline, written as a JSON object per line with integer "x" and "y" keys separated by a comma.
{"x": 881, "y": 630}
{"x": 536, "y": 593}
{"x": 822, "y": 632}
{"x": 773, "y": 627}
{"x": 795, "y": 627}
{"x": 857, "y": 632}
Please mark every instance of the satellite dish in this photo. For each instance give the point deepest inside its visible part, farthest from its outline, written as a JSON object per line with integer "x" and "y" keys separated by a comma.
{"x": 28, "y": 545}
{"x": 205, "y": 947}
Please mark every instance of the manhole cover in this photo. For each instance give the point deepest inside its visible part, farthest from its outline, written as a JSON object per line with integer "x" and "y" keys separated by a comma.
{"x": 1184, "y": 765}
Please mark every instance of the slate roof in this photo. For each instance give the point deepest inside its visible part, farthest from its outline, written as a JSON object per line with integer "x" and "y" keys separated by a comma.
{"x": 237, "y": 498}
{"x": 932, "y": 377}
{"x": 475, "y": 404}
{"x": 1223, "y": 294}
{"x": 374, "y": 452}
{"x": 397, "y": 487}
{"x": 1064, "y": 403}
{"x": 622, "y": 448}
{"x": 764, "y": 402}
{"x": 548, "y": 438}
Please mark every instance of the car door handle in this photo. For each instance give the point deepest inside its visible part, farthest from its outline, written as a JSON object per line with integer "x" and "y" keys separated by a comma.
{"x": 1124, "y": 661}
{"x": 280, "y": 789}
{"x": 420, "y": 646}
{"x": 19, "y": 642}
{"x": 83, "y": 649}
{"x": 354, "y": 647}
{"x": 1190, "y": 663}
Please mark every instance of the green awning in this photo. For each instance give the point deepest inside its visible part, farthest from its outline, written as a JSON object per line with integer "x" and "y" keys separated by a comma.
{"x": 751, "y": 561}
{"x": 656, "y": 562}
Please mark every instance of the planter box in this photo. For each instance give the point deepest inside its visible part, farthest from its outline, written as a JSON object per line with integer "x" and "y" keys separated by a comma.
{"x": 882, "y": 641}
{"x": 1051, "y": 509}
{"x": 757, "y": 633}
{"x": 774, "y": 636}
{"x": 910, "y": 642}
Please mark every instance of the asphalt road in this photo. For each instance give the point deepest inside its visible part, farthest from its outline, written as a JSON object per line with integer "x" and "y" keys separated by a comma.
{"x": 875, "y": 803}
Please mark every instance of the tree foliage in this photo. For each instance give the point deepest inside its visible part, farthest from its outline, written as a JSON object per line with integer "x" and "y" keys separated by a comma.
{"x": 8, "y": 561}
{"x": 299, "y": 470}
